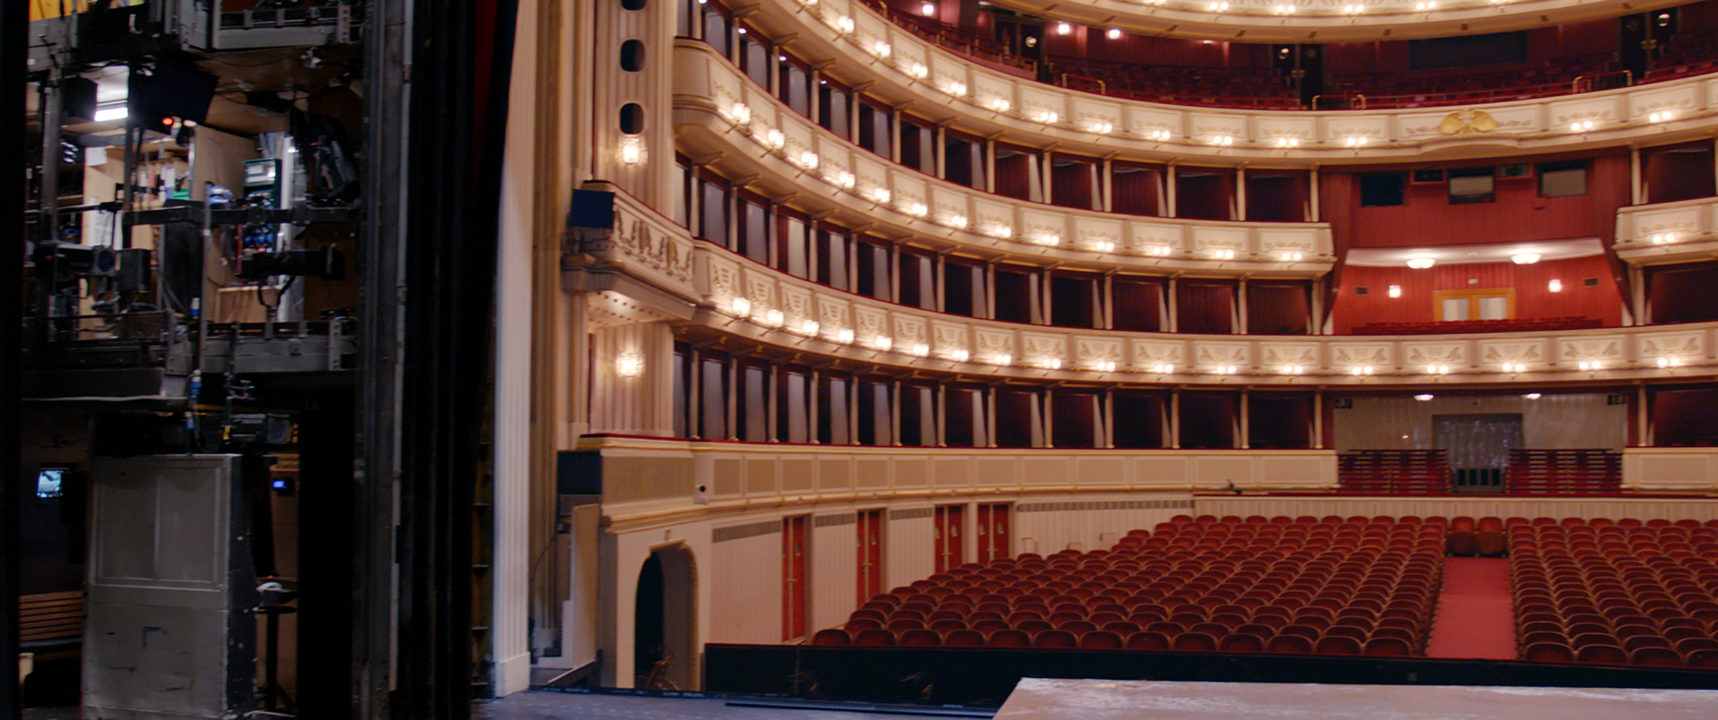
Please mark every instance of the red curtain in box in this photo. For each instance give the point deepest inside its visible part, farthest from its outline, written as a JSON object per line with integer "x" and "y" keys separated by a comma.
{"x": 1279, "y": 308}
{"x": 1682, "y": 293}
{"x": 1205, "y": 306}
{"x": 1678, "y": 172}
{"x": 1279, "y": 420}
{"x": 1277, "y": 196}
{"x": 1208, "y": 420}
{"x": 1017, "y": 173}
{"x": 1139, "y": 303}
{"x": 1205, "y": 193}
{"x": 1684, "y": 416}
{"x": 1138, "y": 189}
{"x": 1074, "y": 182}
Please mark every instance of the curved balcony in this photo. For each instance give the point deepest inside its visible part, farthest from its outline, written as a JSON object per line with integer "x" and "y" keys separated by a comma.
{"x": 718, "y": 293}
{"x": 1325, "y": 20}
{"x": 771, "y": 147}
{"x": 863, "y": 49}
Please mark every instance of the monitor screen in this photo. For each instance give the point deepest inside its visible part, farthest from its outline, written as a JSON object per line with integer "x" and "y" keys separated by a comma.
{"x": 50, "y": 483}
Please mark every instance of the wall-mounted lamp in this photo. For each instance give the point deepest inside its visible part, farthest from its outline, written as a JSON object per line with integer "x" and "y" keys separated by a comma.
{"x": 629, "y": 365}
{"x": 1394, "y": 291}
{"x": 1555, "y": 285}
{"x": 631, "y": 150}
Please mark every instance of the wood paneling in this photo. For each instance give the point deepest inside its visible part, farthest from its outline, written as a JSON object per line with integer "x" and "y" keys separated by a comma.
{"x": 1533, "y": 298}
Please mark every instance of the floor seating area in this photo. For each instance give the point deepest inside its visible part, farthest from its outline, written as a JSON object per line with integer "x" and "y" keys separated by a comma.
{"x": 1615, "y": 593}
{"x": 1477, "y": 326}
{"x": 1331, "y": 586}
{"x": 1576, "y": 471}
{"x": 1393, "y": 472}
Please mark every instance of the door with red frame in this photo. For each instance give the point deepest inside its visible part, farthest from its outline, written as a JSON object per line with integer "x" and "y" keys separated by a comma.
{"x": 993, "y": 535}
{"x": 794, "y": 537}
{"x": 870, "y": 554}
{"x": 948, "y": 542}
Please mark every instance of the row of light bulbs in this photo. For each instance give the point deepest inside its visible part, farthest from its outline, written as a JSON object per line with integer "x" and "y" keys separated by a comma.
{"x": 630, "y": 365}
{"x": 917, "y": 70}
{"x": 740, "y": 115}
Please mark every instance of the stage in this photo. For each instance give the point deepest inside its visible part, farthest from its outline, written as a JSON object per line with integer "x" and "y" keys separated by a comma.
{"x": 1047, "y": 699}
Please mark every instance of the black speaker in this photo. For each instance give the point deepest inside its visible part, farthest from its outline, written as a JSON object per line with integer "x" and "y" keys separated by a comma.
{"x": 171, "y": 90}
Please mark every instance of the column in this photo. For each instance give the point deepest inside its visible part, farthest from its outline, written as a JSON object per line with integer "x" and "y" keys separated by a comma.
{"x": 1045, "y": 283}
{"x": 695, "y": 396}
{"x": 895, "y": 412}
{"x": 1241, "y": 306}
{"x": 1636, "y": 189}
{"x": 1245, "y": 420}
{"x": 939, "y": 159}
{"x": 1643, "y": 416}
{"x": 853, "y": 410}
{"x": 1175, "y": 419}
{"x": 772, "y": 390}
{"x": 1318, "y": 420}
{"x": 938, "y": 281}
{"x": 811, "y": 419}
{"x": 990, "y": 413}
{"x": 1637, "y": 289}
{"x": 1169, "y": 190}
{"x": 1109, "y": 417}
{"x": 733, "y": 398}
{"x": 1048, "y": 402}
{"x": 1314, "y": 325}
{"x": 990, "y": 289}
{"x": 942, "y": 415}
{"x": 1109, "y": 319}
{"x": 895, "y": 134}
{"x": 1312, "y": 195}
{"x": 989, "y": 168}
{"x": 1171, "y": 322}
{"x": 1049, "y": 184}
{"x": 1240, "y": 193}
{"x": 1108, "y": 186}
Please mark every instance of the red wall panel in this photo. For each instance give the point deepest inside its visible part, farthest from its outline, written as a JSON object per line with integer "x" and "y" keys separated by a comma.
{"x": 1519, "y": 214}
{"x": 1533, "y": 299}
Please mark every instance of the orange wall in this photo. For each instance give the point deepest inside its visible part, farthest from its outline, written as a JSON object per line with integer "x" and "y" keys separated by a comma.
{"x": 1532, "y": 298}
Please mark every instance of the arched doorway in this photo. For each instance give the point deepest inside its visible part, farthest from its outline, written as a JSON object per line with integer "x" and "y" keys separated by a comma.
{"x": 665, "y": 656}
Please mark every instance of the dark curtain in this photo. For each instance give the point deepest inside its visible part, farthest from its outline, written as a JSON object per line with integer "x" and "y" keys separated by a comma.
{"x": 1138, "y": 303}
{"x": 1684, "y": 293}
{"x": 1017, "y": 296}
{"x": 1205, "y": 307}
{"x": 963, "y": 288}
{"x": 833, "y": 427}
{"x": 918, "y": 415}
{"x": 1074, "y": 182}
{"x": 1138, "y": 189}
{"x": 1074, "y": 422}
{"x": 1014, "y": 174}
{"x": 1685, "y": 417}
{"x": 1205, "y": 194}
{"x": 1279, "y": 421}
{"x": 1208, "y": 420}
{"x": 1073, "y": 300}
{"x": 967, "y": 419}
{"x": 793, "y": 405}
{"x": 876, "y": 415}
{"x": 1139, "y": 419}
{"x": 1678, "y": 172}
{"x": 1278, "y": 308}
{"x": 1277, "y": 196}
{"x": 1017, "y": 419}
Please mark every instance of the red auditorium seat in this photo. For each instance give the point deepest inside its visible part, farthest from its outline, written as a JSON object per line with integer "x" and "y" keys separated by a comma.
{"x": 1147, "y": 641}
{"x": 1194, "y": 641}
{"x": 1100, "y": 640}
{"x": 1290, "y": 644}
{"x": 1055, "y": 639}
{"x": 831, "y": 636}
{"x": 1010, "y": 639}
{"x": 1548, "y": 652}
{"x": 1655, "y": 657}
{"x": 963, "y": 638}
{"x": 1332, "y": 645}
{"x": 1387, "y": 647}
{"x": 919, "y": 638}
{"x": 1241, "y": 643}
{"x": 874, "y": 638}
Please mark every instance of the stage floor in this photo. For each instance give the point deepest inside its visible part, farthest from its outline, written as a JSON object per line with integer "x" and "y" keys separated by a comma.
{"x": 1043, "y": 699}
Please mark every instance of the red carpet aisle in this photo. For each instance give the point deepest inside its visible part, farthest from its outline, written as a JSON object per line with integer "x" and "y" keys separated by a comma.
{"x": 1475, "y": 619}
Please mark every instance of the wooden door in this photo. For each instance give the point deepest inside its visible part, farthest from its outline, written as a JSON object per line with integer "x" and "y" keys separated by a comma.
{"x": 949, "y": 540}
{"x": 993, "y": 535}
{"x": 794, "y": 536}
{"x": 870, "y": 554}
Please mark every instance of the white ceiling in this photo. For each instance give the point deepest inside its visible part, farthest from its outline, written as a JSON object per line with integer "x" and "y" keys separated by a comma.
{"x": 1475, "y": 254}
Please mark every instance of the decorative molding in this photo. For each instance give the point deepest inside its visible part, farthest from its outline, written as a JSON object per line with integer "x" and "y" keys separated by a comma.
{"x": 742, "y": 532}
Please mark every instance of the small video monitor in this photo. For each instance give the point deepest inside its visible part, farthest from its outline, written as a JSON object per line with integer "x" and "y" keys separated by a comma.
{"x": 50, "y": 483}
